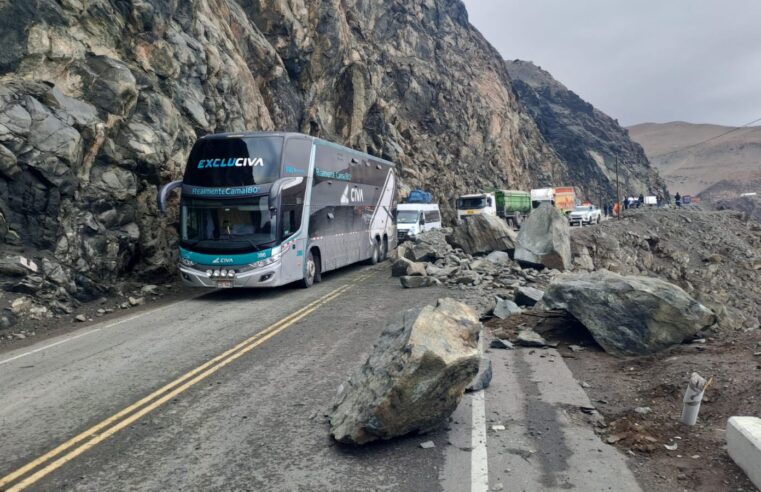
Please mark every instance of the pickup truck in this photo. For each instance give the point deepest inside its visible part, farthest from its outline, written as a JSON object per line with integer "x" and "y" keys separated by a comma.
{"x": 585, "y": 214}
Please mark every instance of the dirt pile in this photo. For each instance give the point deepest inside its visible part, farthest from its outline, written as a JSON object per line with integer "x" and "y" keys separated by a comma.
{"x": 713, "y": 256}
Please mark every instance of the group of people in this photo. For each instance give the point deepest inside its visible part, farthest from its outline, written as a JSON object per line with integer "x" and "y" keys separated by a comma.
{"x": 614, "y": 209}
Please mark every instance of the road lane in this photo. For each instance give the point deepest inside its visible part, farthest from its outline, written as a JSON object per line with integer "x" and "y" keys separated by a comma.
{"x": 71, "y": 386}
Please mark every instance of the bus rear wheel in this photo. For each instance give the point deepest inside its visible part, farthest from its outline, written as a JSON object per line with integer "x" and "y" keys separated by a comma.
{"x": 312, "y": 272}
{"x": 373, "y": 260}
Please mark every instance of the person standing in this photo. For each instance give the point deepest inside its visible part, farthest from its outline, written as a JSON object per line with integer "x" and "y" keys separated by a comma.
{"x": 640, "y": 200}
{"x": 678, "y": 199}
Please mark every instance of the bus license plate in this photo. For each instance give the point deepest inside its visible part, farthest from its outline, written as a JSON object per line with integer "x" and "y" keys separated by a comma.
{"x": 224, "y": 284}
{"x": 471, "y": 212}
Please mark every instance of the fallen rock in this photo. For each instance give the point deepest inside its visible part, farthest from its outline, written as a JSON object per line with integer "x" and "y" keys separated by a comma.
{"x": 418, "y": 282}
{"x": 498, "y": 343}
{"x": 629, "y": 315}
{"x": 467, "y": 277}
{"x": 414, "y": 378}
{"x": 530, "y": 338}
{"x": 436, "y": 271}
{"x": 404, "y": 267}
{"x": 545, "y": 239}
{"x": 81, "y": 318}
{"x": 528, "y": 296}
{"x": 483, "y": 378}
{"x": 482, "y": 234}
{"x": 498, "y": 258}
{"x": 506, "y": 308}
{"x": 427, "y": 246}
{"x": 136, "y": 301}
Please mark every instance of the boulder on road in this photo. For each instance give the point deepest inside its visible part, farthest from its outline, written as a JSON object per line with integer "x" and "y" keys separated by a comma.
{"x": 506, "y": 308}
{"x": 483, "y": 378}
{"x": 427, "y": 246}
{"x": 629, "y": 315}
{"x": 482, "y": 234}
{"x": 404, "y": 267}
{"x": 417, "y": 281}
{"x": 545, "y": 239}
{"x": 528, "y": 296}
{"x": 414, "y": 378}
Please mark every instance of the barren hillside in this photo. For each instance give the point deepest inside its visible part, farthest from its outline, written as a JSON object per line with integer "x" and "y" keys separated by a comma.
{"x": 691, "y": 165}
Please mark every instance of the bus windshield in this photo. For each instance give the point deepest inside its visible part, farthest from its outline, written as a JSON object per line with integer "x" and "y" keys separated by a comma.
{"x": 229, "y": 225}
{"x": 241, "y": 161}
{"x": 471, "y": 202}
{"x": 407, "y": 216}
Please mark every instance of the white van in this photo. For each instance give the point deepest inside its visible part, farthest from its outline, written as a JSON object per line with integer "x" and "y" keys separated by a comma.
{"x": 414, "y": 218}
{"x": 477, "y": 204}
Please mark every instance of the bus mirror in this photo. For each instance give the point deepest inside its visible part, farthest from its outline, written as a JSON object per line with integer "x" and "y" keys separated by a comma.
{"x": 280, "y": 185}
{"x": 163, "y": 195}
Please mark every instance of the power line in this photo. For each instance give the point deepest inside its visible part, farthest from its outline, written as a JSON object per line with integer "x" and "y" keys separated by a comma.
{"x": 706, "y": 140}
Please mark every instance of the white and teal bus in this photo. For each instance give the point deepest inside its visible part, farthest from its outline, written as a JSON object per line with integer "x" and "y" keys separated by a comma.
{"x": 268, "y": 209}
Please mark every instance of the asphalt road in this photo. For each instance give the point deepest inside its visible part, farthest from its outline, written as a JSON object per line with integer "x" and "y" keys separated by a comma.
{"x": 227, "y": 391}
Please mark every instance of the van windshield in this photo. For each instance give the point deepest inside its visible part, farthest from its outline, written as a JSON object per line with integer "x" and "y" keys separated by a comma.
{"x": 228, "y": 225}
{"x": 407, "y": 217}
{"x": 471, "y": 202}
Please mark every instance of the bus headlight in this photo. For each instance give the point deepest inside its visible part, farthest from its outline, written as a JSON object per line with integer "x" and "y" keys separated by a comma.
{"x": 223, "y": 273}
{"x": 231, "y": 273}
{"x": 209, "y": 273}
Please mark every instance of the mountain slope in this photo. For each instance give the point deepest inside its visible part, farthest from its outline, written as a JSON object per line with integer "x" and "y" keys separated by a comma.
{"x": 691, "y": 165}
{"x": 101, "y": 101}
{"x": 587, "y": 140}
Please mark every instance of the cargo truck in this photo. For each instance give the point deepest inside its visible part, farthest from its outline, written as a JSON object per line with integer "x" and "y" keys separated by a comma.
{"x": 565, "y": 199}
{"x": 476, "y": 204}
{"x": 513, "y": 206}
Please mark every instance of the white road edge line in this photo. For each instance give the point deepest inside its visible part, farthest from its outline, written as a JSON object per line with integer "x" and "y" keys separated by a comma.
{"x": 60, "y": 342}
{"x": 48, "y": 346}
{"x": 479, "y": 461}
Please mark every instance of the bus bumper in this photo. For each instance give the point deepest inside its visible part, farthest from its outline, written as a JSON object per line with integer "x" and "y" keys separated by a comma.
{"x": 267, "y": 276}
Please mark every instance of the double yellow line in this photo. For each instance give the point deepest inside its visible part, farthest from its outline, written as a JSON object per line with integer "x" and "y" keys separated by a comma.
{"x": 62, "y": 454}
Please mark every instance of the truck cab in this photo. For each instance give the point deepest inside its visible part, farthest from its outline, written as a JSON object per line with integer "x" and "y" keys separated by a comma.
{"x": 476, "y": 204}
{"x": 415, "y": 218}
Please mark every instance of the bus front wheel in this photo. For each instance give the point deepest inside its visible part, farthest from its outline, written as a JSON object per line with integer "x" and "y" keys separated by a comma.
{"x": 312, "y": 271}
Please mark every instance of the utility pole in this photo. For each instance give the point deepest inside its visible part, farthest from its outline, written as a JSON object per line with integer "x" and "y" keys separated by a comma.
{"x": 618, "y": 193}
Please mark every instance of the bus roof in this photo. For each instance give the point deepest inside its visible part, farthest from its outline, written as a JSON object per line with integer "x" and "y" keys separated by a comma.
{"x": 319, "y": 141}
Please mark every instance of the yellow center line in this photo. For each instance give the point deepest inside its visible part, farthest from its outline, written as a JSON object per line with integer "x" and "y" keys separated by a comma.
{"x": 176, "y": 387}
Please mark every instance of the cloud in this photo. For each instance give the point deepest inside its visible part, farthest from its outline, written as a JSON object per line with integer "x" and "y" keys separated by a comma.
{"x": 646, "y": 60}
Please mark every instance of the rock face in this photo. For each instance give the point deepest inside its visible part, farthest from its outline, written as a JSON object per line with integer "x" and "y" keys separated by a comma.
{"x": 587, "y": 140}
{"x": 414, "y": 378}
{"x": 545, "y": 239}
{"x": 100, "y": 102}
{"x": 629, "y": 315}
{"x": 482, "y": 234}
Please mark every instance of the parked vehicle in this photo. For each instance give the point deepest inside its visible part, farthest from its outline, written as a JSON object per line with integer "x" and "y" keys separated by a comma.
{"x": 414, "y": 218}
{"x": 419, "y": 196}
{"x": 565, "y": 199}
{"x": 585, "y": 214}
{"x": 513, "y": 206}
{"x": 542, "y": 195}
{"x": 267, "y": 209}
{"x": 476, "y": 204}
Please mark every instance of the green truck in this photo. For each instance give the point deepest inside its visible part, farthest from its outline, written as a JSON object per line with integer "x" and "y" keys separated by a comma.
{"x": 513, "y": 206}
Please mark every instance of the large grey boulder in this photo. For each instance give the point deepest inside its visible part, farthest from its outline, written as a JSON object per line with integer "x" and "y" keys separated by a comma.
{"x": 414, "y": 378}
{"x": 545, "y": 239}
{"x": 428, "y": 246}
{"x": 482, "y": 234}
{"x": 417, "y": 281}
{"x": 404, "y": 267}
{"x": 629, "y": 315}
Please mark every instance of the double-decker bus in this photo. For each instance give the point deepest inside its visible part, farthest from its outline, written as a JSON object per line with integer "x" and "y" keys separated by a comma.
{"x": 267, "y": 209}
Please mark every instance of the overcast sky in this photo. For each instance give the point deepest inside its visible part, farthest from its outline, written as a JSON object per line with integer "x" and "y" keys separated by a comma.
{"x": 639, "y": 60}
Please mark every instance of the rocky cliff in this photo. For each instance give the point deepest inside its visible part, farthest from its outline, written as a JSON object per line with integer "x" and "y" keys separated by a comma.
{"x": 100, "y": 102}
{"x": 587, "y": 140}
